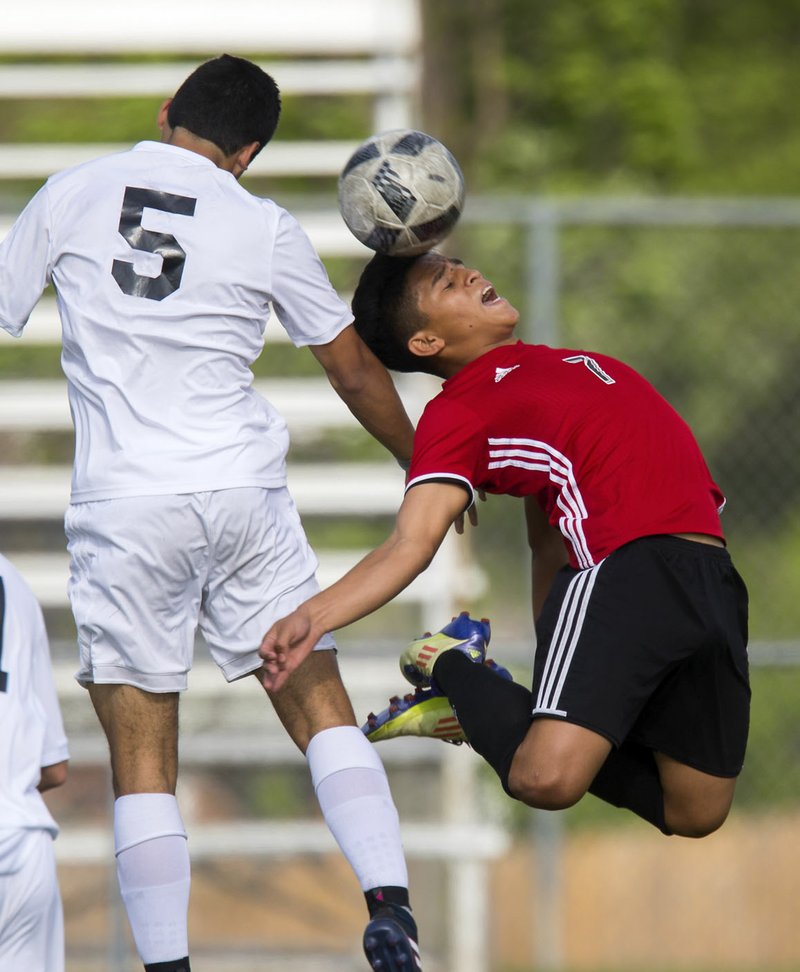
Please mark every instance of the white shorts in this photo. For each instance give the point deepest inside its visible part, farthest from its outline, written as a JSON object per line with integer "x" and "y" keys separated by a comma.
{"x": 31, "y": 915}
{"x": 147, "y": 571}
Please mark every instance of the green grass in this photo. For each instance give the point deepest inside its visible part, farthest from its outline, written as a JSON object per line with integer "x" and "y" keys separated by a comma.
{"x": 19, "y": 360}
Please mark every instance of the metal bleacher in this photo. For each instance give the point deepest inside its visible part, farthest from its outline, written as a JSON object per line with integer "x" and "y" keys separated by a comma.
{"x": 313, "y": 47}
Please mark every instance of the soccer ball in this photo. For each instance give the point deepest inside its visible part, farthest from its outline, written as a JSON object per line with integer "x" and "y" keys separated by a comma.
{"x": 401, "y": 192}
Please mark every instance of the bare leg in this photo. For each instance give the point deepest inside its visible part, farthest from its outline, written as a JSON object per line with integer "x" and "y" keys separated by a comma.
{"x": 555, "y": 764}
{"x": 142, "y": 732}
{"x": 149, "y": 836}
{"x": 313, "y": 699}
{"x": 695, "y": 803}
{"x": 558, "y": 762}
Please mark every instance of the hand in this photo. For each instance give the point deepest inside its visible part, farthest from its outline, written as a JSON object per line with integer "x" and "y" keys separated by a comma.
{"x": 287, "y": 643}
{"x": 472, "y": 514}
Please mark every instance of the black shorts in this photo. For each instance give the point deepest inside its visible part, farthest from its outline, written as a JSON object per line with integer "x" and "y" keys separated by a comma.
{"x": 651, "y": 645}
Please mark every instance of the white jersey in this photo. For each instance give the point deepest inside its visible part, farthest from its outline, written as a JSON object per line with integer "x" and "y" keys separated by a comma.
{"x": 164, "y": 269}
{"x": 31, "y": 729}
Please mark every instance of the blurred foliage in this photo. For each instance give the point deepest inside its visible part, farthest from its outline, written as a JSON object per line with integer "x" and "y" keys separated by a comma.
{"x": 131, "y": 119}
{"x": 21, "y": 360}
{"x": 274, "y": 793}
{"x": 617, "y": 95}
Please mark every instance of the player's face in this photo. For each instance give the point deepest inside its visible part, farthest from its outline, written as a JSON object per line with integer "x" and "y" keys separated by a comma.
{"x": 459, "y": 303}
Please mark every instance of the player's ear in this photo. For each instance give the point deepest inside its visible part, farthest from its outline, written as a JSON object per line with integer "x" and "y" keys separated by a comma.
{"x": 424, "y": 344}
{"x": 244, "y": 157}
{"x": 161, "y": 118}
{"x": 239, "y": 161}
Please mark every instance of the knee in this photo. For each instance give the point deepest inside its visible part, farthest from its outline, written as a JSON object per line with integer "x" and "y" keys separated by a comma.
{"x": 545, "y": 790}
{"x": 696, "y": 821}
{"x": 697, "y": 816}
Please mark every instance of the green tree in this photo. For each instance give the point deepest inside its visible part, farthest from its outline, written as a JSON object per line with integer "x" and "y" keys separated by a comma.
{"x": 656, "y": 95}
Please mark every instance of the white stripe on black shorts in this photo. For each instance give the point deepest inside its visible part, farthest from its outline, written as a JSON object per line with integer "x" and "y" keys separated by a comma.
{"x": 650, "y": 644}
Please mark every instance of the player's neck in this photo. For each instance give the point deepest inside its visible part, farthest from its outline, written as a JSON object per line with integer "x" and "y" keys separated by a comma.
{"x": 183, "y": 138}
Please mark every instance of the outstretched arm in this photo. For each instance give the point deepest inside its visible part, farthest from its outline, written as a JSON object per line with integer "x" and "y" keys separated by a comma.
{"x": 366, "y": 387}
{"x": 427, "y": 513}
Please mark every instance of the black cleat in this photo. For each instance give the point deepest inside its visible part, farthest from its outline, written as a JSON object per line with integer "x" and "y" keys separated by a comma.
{"x": 390, "y": 941}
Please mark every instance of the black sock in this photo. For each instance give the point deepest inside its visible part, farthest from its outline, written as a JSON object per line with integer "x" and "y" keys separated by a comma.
{"x": 177, "y": 965}
{"x": 629, "y": 778}
{"x": 494, "y": 712}
{"x": 378, "y": 898}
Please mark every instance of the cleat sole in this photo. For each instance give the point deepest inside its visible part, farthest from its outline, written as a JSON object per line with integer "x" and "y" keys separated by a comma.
{"x": 389, "y": 949}
{"x": 425, "y": 714}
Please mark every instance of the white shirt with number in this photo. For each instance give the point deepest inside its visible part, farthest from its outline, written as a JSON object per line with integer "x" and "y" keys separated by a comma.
{"x": 31, "y": 728}
{"x": 164, "y": 269}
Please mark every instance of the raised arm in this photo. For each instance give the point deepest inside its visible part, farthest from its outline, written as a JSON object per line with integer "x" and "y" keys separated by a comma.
{"x": 548, "y": 553}
{"x": 366, "y": 387}
{"x": 425, "y": 516}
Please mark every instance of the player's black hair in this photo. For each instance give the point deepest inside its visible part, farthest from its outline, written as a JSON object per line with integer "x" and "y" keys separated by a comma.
{"x": 229, "y": 101}
{"x": 386, "y": 314}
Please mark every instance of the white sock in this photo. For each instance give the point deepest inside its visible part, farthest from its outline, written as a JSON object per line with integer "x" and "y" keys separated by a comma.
{"x": 154, "y": 874}
{"x": 353, "y": 792}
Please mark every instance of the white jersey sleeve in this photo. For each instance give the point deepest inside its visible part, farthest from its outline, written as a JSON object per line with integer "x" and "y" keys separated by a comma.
{"x": 301, "y": 292}
{"x": 31, "y": 728}
{"x": 24, "y": 264}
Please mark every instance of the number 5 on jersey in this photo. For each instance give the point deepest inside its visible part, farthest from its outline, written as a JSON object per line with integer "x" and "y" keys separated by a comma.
{"x": 164, "y": 244}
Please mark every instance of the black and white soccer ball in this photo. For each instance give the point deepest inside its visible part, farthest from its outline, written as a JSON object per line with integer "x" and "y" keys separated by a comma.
{"x": 401, "y": 192}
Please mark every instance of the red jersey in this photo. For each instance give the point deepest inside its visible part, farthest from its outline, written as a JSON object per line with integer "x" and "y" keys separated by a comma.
{"x": 607, "y": 458}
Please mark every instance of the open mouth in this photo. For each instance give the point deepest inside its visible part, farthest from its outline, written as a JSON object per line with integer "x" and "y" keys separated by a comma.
{"x": 489, "y": 295}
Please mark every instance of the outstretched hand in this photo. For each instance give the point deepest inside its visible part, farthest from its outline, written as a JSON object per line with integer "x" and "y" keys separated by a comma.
{"x": 284, "y": 647}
